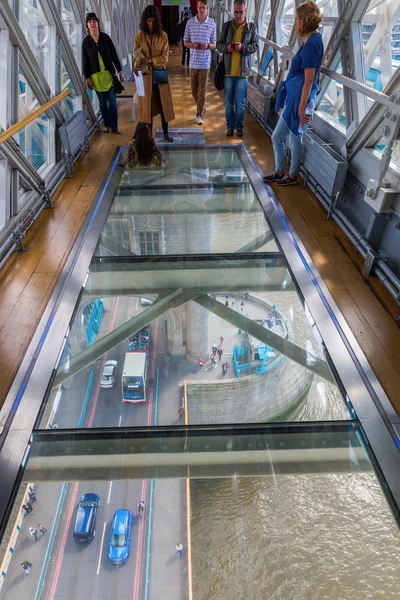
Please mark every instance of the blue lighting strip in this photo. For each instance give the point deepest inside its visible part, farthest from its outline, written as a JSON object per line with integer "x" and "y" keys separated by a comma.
{"x": 53, "y": 312}
{"x": 330, "y": 312}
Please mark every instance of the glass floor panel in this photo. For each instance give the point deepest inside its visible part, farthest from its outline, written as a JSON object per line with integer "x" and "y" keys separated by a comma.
{"x": 183, "y": 368}
{"x": 171, "y": 313}
{"x": 202, "y": 202}
{"x": 304, "y": 497}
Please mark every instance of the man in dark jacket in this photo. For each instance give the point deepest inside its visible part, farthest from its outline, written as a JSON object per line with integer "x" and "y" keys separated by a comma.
{"x": 181, "y": 33}
{"x": 100, "y": 60}
{"x": 237, "y": 42}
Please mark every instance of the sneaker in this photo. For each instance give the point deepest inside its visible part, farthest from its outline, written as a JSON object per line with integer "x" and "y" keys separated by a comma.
{"x": 239, "y": 132}
{"x": 229, "y": 133}
{"x": 199, "y": 120}
{"x": 286, "y": 180}
{"x": 117, "y": 131}
{"x": 273, "y": 177}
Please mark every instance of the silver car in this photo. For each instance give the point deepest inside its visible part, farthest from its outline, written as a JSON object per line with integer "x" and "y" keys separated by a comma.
{"x": 109, "y": 374}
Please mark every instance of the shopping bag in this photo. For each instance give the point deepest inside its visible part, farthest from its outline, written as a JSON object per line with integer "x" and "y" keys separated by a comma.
{"x": 139, "y": 83}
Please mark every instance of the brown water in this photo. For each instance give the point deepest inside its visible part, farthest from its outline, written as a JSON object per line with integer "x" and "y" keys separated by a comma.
{"x": 306, "y": 537}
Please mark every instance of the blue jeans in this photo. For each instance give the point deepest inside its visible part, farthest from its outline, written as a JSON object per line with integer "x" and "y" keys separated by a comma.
{"x": 281, "y": 132}
{"x": 108, "y": 108}
{"x": 235, "y": 101}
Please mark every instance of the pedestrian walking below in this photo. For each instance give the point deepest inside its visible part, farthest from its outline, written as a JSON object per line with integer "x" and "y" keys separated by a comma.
{"x": 221, "y": 339}
{"x": 181, "y": 413}
{"x": 179, "y": 549}
{"x": 140, "y": 507}
{"x": 201, "y": 363}
{"x": 214, "y": 348}
{"x": 226, "y": 302}
{"x": 31, "y": 497}
{"x": 27, "y": 508}
{"x": 200, "y": 37}
{"x": 220, "y": 353}
{"x": 33, "y": 533}
{"x": 26, "y": 565}
{"x": 42, "y": 529}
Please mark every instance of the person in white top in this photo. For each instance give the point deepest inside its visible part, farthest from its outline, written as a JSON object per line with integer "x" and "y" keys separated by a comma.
{"x": 179, "y": 549}
{"x": 200, "y": 37}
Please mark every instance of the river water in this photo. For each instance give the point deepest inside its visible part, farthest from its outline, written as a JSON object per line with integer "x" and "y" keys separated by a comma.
{"x": 304, "y": 537}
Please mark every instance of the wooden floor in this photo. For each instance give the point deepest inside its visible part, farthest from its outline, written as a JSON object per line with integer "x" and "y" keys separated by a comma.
{"x": 26, "y": 282}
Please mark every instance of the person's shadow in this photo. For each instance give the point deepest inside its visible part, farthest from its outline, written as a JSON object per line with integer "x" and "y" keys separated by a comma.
{"x": 18, "y": 580}
{"x": 172, "y": 560}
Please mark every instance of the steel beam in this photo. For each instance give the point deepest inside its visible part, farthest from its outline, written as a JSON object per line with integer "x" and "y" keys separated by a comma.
{"x": 264, "y": 335}
{"x": 106, "y": 343}
{"x": 127, "y": 277}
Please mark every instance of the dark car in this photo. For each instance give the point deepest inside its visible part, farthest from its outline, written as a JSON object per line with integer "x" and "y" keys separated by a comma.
{"x": 119, "y": 542}
{"x": 85, "y": 524}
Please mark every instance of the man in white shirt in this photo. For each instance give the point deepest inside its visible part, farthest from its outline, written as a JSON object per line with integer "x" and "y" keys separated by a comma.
{"x": 200, "y": 37}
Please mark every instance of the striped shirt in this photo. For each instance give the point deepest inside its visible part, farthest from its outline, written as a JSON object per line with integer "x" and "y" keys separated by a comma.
{"x": 200, "y": 33}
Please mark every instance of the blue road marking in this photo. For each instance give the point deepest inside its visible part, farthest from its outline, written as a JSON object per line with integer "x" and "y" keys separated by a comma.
{"x": 86, "y": 400}
{"x": 53, "y": 533}
{"x": 146, "y": 589}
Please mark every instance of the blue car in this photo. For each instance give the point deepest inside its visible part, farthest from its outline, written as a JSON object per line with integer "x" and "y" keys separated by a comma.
{"x": 85, "y": 523}
{"x": 119, "y": 542}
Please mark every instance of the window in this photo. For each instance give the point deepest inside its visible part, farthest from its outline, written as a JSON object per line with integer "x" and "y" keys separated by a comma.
{"x": 380, "y": 33}
{"x": 36, "y": 30}
{"x": 285, "y": 22}
{"x": 70, "y": 25}
{"x": 330, "y": 14}
{"x": 149, "y": 242}
{"x": 33, "y": 139}
{"x": 331, "y": 100}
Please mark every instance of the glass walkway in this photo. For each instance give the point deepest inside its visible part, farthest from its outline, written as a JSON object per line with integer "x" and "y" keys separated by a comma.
{"x": 193, "y": 360}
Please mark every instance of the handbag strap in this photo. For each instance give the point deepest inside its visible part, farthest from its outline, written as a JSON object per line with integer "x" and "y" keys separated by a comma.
{"x": 151, "y": 56}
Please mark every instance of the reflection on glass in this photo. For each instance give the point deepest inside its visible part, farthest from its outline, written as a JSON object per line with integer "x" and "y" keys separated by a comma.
{"x": 198, "y": 203}
{"x": 180, "y": 331}
{"x": 33, "y": 139}
{"x": 239, "y": 500}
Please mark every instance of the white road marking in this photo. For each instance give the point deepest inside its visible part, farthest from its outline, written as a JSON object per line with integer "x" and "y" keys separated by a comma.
{"x": 120, "y": 420}
{"x": 101, "y": 547}
{"x": 137, "y": 303}
{"x": 109, "y": 493}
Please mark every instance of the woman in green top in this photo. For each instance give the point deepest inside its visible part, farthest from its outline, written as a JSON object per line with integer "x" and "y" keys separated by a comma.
{"x": 100, "y": 61}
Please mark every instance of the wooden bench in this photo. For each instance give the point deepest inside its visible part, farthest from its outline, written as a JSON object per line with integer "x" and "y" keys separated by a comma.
{"x": 129, "y": 94}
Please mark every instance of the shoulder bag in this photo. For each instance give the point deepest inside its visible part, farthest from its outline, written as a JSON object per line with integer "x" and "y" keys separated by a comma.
{"x": 119, "y": 88}
{"x": 160, "y": 76}
{"x": 219, "y": 75}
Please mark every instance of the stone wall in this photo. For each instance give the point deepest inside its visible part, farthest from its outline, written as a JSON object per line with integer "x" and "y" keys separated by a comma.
{"x": 255, "y": 398}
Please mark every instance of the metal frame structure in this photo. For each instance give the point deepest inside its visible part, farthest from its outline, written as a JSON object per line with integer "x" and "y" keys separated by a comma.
{"x": 365, "y": 396}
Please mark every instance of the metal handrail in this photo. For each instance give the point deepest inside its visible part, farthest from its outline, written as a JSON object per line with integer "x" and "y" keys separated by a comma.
{"x": 5, "y": 135}
{"x": 271, "y": 43}
{"x": 358, "y": 87}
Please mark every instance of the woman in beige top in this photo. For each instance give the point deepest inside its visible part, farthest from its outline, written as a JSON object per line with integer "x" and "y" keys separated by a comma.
{"x": 153, "y": 42}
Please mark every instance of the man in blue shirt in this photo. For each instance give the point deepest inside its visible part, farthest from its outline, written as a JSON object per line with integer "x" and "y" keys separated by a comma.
{"x": 200, "y": 37}
{"x": 297, "y": 94}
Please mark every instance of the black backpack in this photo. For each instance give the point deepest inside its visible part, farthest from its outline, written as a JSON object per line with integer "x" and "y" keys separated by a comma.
{"x": 219, "y": 76}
